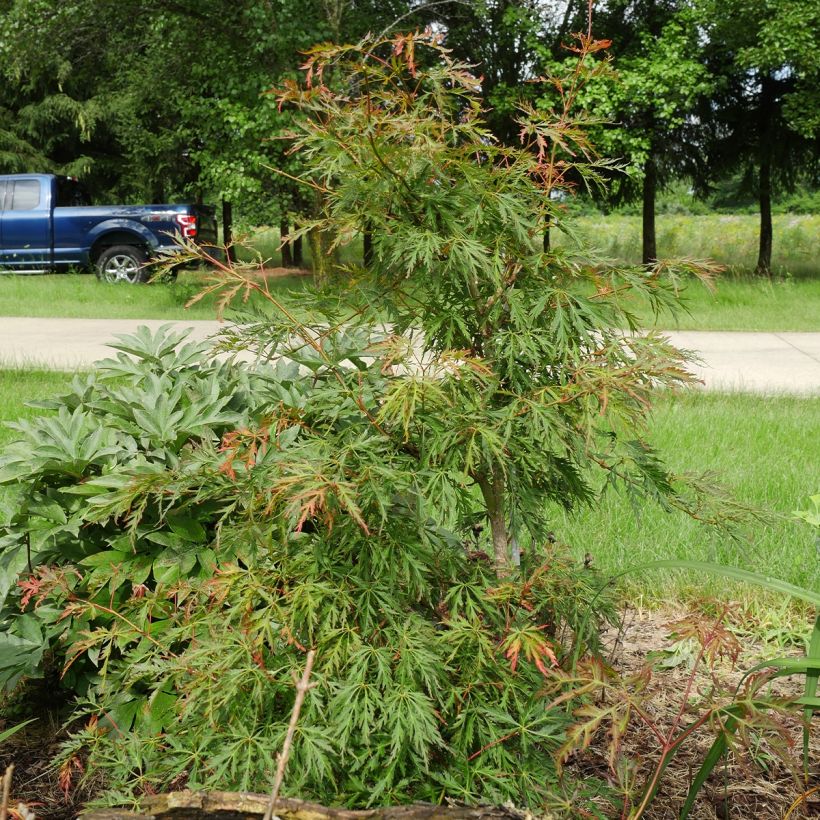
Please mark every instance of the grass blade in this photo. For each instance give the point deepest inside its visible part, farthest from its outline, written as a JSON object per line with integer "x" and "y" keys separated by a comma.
{"x": 713, "y": 757}
{"x": 810, "y": 690}
{"x": 765, "y": 581}
{"x": 7, "y": 733}
{"x": 785, "y": 667}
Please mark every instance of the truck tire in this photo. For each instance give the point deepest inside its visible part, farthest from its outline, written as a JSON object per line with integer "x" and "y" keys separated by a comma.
{"x": 122, "y": 263}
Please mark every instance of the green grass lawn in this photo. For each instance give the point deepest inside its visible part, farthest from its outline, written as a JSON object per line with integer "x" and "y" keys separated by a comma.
{"x": 745, "y": 303}
{"x": 766, "y": 451}
{"x": 83, "y": 296}
{"x": 20, "y": 386}
{"x": 742, "y": 302}
{"x": 738, "y": 304}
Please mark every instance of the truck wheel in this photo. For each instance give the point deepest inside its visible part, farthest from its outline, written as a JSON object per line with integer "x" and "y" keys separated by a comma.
{"x": 123, "y": 263}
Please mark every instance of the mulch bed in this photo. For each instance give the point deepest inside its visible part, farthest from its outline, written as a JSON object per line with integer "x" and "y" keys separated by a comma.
{"x": 752, "y": 784}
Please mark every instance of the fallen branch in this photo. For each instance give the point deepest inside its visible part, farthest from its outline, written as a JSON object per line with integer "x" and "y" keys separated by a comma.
{"x": 188, "y": 805}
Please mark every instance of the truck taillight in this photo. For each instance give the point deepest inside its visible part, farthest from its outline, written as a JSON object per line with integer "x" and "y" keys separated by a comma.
{"x": 187, "y": 225}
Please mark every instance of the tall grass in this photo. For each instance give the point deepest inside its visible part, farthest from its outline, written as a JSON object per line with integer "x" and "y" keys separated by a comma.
{"x": 729, "y": 239}
{"x": 263, "y": 244}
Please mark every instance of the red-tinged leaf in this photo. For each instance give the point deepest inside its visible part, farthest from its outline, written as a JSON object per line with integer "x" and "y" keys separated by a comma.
{"x": 30, "y": 587}
{"x": 65, "y": 778}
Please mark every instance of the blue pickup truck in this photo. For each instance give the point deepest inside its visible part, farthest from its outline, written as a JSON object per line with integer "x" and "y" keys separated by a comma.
{"x": 47, "y": 223}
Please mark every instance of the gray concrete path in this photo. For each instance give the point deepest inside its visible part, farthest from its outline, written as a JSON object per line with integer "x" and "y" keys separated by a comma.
{"x": 757, "y": 362}
{"x": 71, "y": 344}
{"x": 754, "y": 362}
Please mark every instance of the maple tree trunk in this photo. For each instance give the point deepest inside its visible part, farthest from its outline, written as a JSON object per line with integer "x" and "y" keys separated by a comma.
{"x": 321, "y": 243}
{"x": 493, "y": 491}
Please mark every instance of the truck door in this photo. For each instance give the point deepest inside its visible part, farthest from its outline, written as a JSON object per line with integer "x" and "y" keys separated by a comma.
{"x": 25, "y": 226}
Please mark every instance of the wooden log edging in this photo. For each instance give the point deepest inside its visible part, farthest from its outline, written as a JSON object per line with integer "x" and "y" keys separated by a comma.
{"x": 191, "y": 805}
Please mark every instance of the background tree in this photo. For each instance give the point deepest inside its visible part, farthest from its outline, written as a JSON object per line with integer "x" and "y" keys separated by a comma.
{"x": 171, "y": 102}
{"x": 765, "y": 112}
{"x": 500, "y": 38}
{"x": 645, "y": 104}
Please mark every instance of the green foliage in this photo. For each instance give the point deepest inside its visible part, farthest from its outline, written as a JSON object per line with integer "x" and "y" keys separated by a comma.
{"x": 549, "y": 387}
{"x": 155, "y": 101}
{"x": 763, "y": 115}
{"x": 770, "y": 37}
{"x": 643, "y": 104}
{"x": 185, "y": 527}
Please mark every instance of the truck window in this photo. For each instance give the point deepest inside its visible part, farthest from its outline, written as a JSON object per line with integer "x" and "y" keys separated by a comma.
{"x": 71, "y": 193}
{"x": 24, "y": 195}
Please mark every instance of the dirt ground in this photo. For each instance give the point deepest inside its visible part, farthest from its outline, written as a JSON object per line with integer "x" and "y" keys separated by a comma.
{"x": 760, "y": 782}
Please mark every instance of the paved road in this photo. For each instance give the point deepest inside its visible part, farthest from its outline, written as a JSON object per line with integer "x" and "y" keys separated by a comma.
{"x": 760, "y": 362}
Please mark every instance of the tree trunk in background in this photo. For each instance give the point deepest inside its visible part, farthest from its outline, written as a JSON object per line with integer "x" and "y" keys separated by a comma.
{"x": 298, "y": 257}
{"x": 649, "y": 253}
{"x": 287, "y": 256}
{"x": 227, "y": 230}
{"x": 546, "y": 243}
{"x": 764, "y": 253}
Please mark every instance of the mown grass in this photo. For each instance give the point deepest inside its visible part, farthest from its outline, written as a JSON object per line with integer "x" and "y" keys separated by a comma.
{"x": 19, "y": 386}
{"x": 83, "y": 296}
{"x": 745, "y": 303}
{"x": 742, "y": 302}
{"x": 765, "y": 451}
